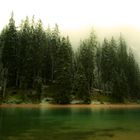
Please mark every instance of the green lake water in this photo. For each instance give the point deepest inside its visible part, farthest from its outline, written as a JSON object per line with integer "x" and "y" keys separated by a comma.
{"x": 69, "y": 124}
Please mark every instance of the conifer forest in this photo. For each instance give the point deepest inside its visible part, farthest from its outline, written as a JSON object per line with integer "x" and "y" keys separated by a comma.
{"x": 36, "y": 62}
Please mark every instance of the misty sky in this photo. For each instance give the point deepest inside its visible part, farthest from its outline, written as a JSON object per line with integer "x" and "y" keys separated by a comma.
{"x": 77, "y": 17}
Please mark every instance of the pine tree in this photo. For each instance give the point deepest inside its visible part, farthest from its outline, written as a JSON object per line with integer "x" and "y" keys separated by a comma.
{"x": 98, "y": 78}
{"x": 47, "y": 63}
{"x": 87, "y": 58}
{"x": 133, "y": 77}
{"x": 55, "y": 43}
{"x": 105, "y": 64}
{"x": 26, "y": 59}
{"x": 81, "y": 89}
{"x": 10, "y": 52}
{"x": 1, "y": 69}
{"x": 120, "y": 87}
{"x": 85, "y": 65}
{"x": 64, "y": 72}
{"x": 109, "y": 64}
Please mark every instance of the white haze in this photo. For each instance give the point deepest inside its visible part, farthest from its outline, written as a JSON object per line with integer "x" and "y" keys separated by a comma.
{"x": 76, "y": 18}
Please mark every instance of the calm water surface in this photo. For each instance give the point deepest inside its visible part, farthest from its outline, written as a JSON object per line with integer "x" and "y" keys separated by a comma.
{"x": 69, "y": 124}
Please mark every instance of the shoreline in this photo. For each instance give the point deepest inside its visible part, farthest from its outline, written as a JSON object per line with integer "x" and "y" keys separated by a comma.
{"x": 104, "y": 106}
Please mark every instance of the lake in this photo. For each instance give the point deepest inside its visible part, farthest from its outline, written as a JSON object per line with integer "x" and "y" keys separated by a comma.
{"x": 69, "y": 124}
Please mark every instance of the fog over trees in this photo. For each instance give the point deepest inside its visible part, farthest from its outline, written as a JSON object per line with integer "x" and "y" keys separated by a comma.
{"x": 32, "y": 58}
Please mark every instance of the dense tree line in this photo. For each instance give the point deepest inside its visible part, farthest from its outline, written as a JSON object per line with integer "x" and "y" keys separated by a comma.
{"x": 31, "y": 57}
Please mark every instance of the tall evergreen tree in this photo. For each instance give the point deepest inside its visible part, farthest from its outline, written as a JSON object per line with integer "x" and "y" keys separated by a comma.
{"x": 64, "y": 72}
{"x": 133, "y": 77}
{"x": 26, "y": 59}
{"x": 105, "y": 63}
{"x": 84, "y": 76}
{"x": 47, "y": 63}
{"x": 108, "y": 62}
{"x": 87, "y": 58}
{"x": 120, "y": 87}
{"x": 10, "y": 52}
{"x": 38, "y": 44}
{"x": 55, "y": 43}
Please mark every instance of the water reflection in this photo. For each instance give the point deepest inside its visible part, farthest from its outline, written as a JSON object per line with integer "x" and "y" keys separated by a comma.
{"x": 67, "y": 123}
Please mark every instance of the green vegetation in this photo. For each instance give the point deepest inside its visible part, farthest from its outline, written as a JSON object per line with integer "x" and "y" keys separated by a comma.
{"x": 32, "y": 58}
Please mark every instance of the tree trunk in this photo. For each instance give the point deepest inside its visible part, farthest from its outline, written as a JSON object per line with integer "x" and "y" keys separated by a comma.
{"x": 4, "y": 87}
{"x": 5, "y": 72}
{"x": 17, "y": 79}
{"x": 52, "y": 70}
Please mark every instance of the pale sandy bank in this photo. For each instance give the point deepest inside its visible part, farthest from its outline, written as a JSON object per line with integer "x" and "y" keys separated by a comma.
{"x": 70, "y": 106}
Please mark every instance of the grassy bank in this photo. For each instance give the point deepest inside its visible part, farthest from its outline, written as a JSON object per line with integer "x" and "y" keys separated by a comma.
{"x": 18, "y": 96}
